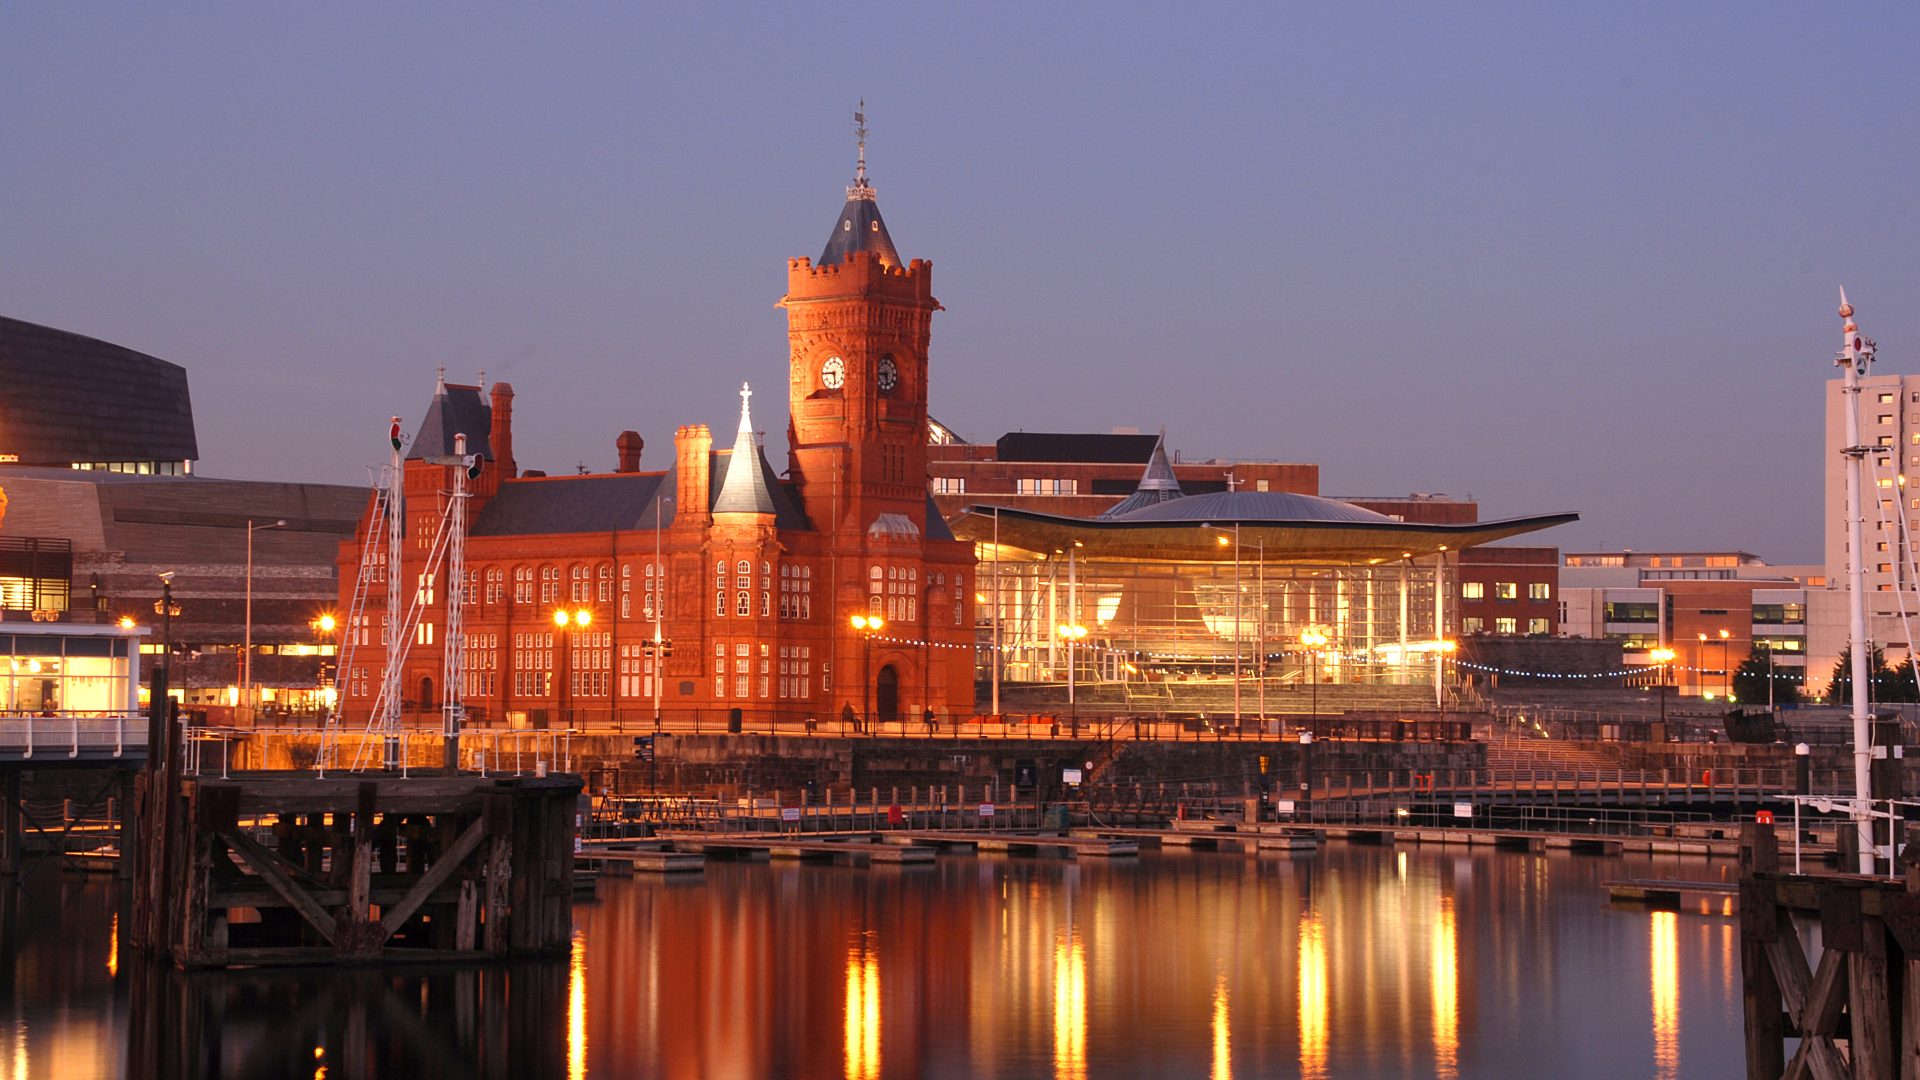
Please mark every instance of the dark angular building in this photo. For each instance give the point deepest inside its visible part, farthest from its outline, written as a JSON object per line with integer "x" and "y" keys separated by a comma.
{"x": 70, "y": 401}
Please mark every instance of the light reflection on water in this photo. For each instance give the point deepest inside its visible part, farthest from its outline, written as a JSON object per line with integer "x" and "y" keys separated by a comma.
{"x": 1222, "y": 1031}
{"x": 1446, "y": 993}
{"x": 1313, "y": 997}
{"x": 1664, "y": 965}
{"x": 863, "y": 1011}
{"x": 1353, "y": 962}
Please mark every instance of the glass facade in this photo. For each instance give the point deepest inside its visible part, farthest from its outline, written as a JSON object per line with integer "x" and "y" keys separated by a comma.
{"x": 1149, "y": 622}
{"x": 55, "y": 673}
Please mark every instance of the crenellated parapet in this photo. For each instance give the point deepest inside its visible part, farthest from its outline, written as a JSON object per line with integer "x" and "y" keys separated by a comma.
{"x": 862, "y": 273}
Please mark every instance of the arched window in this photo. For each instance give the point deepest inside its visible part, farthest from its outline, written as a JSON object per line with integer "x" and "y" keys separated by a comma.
{"x": 720, "y": 574}
{"x": 720, "y": 603}
{"x": 743, "y": 571}
{"x": 766, "y": 603}
{"x": 606, "y": 582}
{"x": 743, "y": 605}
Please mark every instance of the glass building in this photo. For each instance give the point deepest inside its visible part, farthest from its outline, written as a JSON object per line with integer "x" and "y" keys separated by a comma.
{"x": 69, "y": 671}
{"x": 1166, "y": 591}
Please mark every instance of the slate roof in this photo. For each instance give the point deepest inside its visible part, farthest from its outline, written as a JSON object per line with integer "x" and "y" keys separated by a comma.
{"x": 936, "y": 523}
{"x": 65, "y": 398}
{"x": 577, "y": 504}
{"x": 859, "y": 229}
{"x": 455, "y": 410}
{"x": 786, "y": 509}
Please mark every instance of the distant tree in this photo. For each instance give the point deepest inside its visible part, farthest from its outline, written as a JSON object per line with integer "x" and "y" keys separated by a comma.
{"x": 1751, "y": 677}
{"x": 1885, "y": 684}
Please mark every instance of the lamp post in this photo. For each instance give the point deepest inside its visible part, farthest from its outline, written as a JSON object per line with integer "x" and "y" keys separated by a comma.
{"x": 1235, "y": 541}
{"x": 1313, "y": 639}
{"x": 1700, "y": 667}
{"x": 1726, "y": 664}
{"x": 324, "y": 625}
{"x": 1072, "y": 634}
{"x": 1260, "y": 624}
{"x": 246, "y": 653}
{"x": 166, "y": 609}
{"x": 1663, "y": 657}
{"x": 867, "y": 626}
{"x": 567, "y": 622}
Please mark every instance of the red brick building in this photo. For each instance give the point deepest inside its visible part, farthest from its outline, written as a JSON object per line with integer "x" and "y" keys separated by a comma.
{"x": 1509, "y": 590}
{"x": 753, "y": 579}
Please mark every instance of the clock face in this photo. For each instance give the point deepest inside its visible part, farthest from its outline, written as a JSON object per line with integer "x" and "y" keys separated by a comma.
{"x": 888, "y": 376}
{"x": 833, "y": 373}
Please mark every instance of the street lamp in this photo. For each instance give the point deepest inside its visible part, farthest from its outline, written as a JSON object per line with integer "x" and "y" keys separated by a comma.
{"x": 324, "y": 625}
{"x": 168, "y": 611}
{"x": 1446, "y": 647}
{"x": 1235, "y": 541}
{"x": 567, "y": 622}
{"x": 246, "y": 656}
{"x": 867, "y": 626}
{"x": 1313, "y": 639}
{"x": 1073, "y": 634}
{"x": 1663, "y": 657}
{"x": 1726, "y": 663}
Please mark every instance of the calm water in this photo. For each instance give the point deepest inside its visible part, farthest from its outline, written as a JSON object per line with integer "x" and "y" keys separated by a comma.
{"x": 1353, "y": 962}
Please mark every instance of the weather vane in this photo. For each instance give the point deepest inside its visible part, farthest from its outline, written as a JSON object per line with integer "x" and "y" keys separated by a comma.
{"x": 860, "y": 189}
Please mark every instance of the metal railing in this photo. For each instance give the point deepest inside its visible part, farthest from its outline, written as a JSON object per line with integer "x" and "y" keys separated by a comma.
{"x": 72, "y": 735}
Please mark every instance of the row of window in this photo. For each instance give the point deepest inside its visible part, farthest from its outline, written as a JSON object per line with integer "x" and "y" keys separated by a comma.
{"x": 1505, "y": 590}
{"x": 1471, "y": 625}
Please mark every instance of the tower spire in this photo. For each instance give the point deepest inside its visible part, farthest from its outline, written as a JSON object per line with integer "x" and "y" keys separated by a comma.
{"x": 747, "y": 487}
{"x": 860, "y": 189}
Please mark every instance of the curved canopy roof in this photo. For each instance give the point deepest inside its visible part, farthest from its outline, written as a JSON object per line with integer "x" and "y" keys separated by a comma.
{"x": 1277, "y": 527}
{"x": 1244, "y": 506}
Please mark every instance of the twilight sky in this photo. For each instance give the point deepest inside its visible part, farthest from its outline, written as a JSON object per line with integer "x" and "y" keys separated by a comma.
{"x": 1551, "y": 256}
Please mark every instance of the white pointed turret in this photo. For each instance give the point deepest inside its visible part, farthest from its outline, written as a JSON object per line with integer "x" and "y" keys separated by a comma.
{"x": 747, "y": 488}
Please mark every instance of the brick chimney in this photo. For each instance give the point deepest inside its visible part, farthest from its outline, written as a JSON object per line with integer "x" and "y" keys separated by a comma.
{"x": 500, "y": 435}
{"x": 692, "y": 445}
{"x": 629, "y": 444}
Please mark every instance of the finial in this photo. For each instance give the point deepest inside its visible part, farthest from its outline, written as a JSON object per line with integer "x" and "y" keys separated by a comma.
{"x": 860, "y": 135}
{"x": 746, "y": 414}
{"x": 860, "y": 189}
{"x": 440, "y": 381}
{"x": 1846, "y": 309}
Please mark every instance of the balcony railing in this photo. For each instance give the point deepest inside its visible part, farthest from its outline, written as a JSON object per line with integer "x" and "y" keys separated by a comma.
{"x": 73, "y": 735}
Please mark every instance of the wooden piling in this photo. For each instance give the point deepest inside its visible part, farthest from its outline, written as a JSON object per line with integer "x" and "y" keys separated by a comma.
{"x": 487, "y": 872}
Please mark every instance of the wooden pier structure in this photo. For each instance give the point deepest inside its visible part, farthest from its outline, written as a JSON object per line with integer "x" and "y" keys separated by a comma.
{"x": 291, "y": 868}
{"x": 1855, "y": 1005}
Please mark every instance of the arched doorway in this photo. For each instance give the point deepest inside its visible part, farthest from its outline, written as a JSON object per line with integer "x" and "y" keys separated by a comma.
{"x": 886, "y": 694}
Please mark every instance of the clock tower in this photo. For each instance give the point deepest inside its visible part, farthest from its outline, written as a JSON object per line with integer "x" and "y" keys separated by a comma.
{"x": 858, "y": 323}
